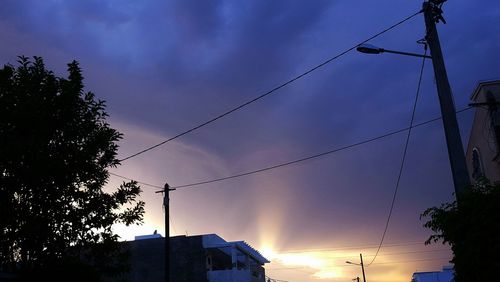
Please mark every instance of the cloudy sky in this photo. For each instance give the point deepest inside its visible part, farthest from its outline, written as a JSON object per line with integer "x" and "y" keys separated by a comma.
{"x": 166, "y": 66}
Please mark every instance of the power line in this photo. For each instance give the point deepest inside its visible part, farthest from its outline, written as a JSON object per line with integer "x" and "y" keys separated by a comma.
{"x": 272, "y": 90}
{"x": 414, "y": 252}
{"x": 409, "y": 261}
{"x": 380, "y": 255}
{"x": 140, "y": 182}
{"x": 305, "y": 158}
{"x": 173, "y": 225}
{"x": 403, "y": 158}
{"x": 291, "y": 162}
{"x": 353, "y": 247}
{"x": 297, "y": 268}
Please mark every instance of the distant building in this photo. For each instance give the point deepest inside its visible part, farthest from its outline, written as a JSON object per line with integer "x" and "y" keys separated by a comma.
{"x": 446, "y": 275}
{"x": 483, "y": 150}
{"x": 203, "y": 258}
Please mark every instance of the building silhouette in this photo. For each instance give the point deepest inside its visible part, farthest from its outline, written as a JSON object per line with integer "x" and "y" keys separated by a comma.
{"x": 483, "y": 150}
{"x": 202, "y": 258}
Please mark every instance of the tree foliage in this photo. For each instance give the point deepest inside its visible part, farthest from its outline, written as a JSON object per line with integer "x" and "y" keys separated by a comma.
{"x": 55, "y": 149}
{"x": 471, "y": 228}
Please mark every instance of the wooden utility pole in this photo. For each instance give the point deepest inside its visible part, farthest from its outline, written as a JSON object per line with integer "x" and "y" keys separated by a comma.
{"x": 362, "y": 267}
{"x": 166, "y": 199}
{"x": 433, "y": 14}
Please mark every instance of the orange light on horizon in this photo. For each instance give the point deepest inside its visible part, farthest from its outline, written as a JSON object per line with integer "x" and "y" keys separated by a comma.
{"x": 321, "y": 264}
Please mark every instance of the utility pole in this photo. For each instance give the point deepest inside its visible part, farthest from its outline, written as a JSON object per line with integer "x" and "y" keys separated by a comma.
{"x": 362, "y": 267}
{"x": 166, "y": 199}
{"x": 359, "y": 264}
{"x": 433, "y": 14}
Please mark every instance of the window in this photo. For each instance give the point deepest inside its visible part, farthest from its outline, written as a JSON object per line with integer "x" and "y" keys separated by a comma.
{"x": 477, "y": 164}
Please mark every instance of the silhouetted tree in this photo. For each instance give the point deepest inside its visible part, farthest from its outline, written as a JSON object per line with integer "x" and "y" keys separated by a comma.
{"x": 55, "y": 149}
{"x": 472, "y": 229}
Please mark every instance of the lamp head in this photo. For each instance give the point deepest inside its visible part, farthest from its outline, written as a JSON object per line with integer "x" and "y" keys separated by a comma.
{"x": 369, "y": 49}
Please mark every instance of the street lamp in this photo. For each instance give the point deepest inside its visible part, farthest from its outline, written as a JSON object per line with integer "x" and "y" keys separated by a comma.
{"x": 371, "y": 49}
{"x": 359, "y": 264}
{"x": 433, "y": 14}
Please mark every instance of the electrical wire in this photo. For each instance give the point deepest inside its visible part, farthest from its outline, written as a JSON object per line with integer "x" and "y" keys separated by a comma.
{"x": 172, "y": 223}
{"x": 415, "y": 252}
{"x": 290, "y": 162}
{"x": 403, "y": 158}
{"x": 410, "y": 261}
{"x": 351, "y": 265}
{"x": 140, "y": 182}
{"x": 380, "y": 255}
{"x": 272, "y": 90}
{"x": 353, "y": 247}
{"x": 302, "y": 159}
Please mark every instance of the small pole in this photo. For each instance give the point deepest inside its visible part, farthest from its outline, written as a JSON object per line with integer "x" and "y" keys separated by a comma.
{"x": 166, "y": 206}
{"x": 362, "y": 268}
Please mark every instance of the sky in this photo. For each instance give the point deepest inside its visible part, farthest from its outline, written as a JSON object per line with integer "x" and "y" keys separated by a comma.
{"x": 164, "y": 67}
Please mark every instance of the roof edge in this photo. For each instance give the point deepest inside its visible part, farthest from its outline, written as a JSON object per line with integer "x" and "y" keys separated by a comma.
{"x": 481, "y": 84}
